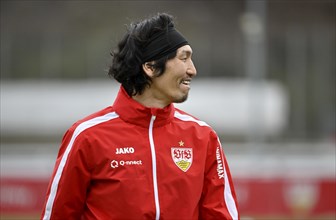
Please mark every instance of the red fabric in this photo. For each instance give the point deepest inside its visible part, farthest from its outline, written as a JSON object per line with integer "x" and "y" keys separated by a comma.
{"x": 108, "y": 171}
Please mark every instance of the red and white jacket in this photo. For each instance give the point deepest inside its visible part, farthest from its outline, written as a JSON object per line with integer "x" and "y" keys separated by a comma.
{"x": 132, "y": 162}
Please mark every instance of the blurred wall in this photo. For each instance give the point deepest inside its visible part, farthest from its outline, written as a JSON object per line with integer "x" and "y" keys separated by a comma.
{"x": 71, "y": 40}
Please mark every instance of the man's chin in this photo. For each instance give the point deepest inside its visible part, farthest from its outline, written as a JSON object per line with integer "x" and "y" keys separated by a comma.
{"x": 181, "y": 99}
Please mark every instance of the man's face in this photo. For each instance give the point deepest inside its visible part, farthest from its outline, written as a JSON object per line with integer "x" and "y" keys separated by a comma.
{"x": 174, "y": 84}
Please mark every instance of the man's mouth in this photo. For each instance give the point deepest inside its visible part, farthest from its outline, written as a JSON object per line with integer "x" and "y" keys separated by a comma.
{"x": 186, "y": 82}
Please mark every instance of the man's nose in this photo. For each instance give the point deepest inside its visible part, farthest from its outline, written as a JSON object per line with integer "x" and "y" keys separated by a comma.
{"x": 192, "y": 69}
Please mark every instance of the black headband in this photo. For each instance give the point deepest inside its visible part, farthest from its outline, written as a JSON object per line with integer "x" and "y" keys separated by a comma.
{"x": 163, "y": 43}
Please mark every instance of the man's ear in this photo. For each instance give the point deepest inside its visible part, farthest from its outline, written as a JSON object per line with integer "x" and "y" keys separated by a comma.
{"x": 148, "y": 69}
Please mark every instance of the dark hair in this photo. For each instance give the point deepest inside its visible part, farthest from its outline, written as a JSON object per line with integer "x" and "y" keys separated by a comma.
{"x": 127, "y": 61}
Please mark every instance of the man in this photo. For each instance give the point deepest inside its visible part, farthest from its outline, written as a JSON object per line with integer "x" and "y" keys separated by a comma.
{"x": 142, "y": 158}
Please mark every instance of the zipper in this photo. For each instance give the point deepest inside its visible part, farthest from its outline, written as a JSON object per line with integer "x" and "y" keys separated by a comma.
{"x": 152, "y": 146}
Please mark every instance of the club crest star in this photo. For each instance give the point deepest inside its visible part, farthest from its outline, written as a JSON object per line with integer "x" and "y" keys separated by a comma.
{"x": 181, "y": 143}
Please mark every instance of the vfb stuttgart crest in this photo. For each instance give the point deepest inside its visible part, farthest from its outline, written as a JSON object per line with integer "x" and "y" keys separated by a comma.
{"x": 182, "y": 157}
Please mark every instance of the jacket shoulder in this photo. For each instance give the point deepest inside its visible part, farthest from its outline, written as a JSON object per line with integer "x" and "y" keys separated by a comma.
{"x": 94, "y": 119}
{"x": 189, "y": 121}
{"x": 186, "y": 117}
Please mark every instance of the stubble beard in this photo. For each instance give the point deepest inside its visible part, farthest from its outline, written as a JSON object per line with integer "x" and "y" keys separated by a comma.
{"x": 181, "y": 99}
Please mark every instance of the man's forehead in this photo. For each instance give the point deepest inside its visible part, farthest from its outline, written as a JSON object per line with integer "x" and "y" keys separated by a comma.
{"x": 185, "y": 50}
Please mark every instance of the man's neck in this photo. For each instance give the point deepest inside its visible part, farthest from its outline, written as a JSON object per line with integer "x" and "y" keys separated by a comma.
{"x": 149, "y": 101}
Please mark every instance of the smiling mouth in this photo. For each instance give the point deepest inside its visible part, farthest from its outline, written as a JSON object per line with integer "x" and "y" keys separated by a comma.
{"x": 186, "y": 82}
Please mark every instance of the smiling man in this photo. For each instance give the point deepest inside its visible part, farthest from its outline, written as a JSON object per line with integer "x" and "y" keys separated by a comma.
{"x": 171, "y": 87}
{"x": 142, "y": 158}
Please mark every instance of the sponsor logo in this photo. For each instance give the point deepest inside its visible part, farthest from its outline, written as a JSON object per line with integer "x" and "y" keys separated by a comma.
{"x": 116, "y": 163}
{"x": 220, "y": 165}
{"x": 124, "y": 150}
{"x": 182, "y": 157}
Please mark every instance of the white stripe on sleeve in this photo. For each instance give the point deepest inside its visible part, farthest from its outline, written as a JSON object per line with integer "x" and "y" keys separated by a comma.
{"x": 82, "y": 127}
{"x": 189, "y": 118}
{"x": 228, "y": 198}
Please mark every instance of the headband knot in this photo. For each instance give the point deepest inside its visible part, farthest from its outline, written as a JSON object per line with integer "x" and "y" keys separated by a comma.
{"x": 162, "y": 43}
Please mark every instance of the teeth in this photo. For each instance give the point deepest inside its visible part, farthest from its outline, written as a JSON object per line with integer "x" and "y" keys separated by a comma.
{"x": 186, "y": 82}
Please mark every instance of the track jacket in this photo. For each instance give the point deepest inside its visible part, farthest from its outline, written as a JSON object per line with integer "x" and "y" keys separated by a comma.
{"x": 132, "y": 162}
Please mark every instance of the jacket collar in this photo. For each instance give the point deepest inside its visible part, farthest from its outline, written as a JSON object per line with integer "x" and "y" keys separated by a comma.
{"x": 133, "y": 112}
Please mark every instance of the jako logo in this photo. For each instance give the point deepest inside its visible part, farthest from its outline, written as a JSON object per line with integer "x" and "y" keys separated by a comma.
{"x": 125, "y": 150}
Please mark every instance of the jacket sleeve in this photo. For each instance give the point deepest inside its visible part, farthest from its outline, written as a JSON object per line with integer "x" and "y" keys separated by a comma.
{"x": 218, "y": 197}
{"x": 70, "y": 180}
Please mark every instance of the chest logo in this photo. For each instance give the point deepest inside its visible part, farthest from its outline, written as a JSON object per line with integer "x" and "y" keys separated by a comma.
{"x": 182, "y": 157}
{"x": 125, "y": 150}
